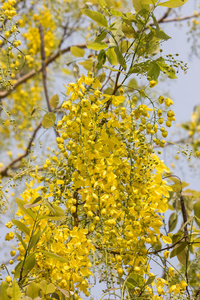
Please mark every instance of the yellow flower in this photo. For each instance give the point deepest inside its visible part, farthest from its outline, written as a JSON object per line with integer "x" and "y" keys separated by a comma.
{"x": 171, "y": 271}
{"x": 183, "y": 284}
{"x": 152, "y": 83}
{"x": 9, "y": 224}
{"x": 166, "y": 254}
{"x": 8, "y": 279}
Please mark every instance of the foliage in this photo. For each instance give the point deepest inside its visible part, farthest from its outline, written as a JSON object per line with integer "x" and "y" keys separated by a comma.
{"x": 93, "y": 200}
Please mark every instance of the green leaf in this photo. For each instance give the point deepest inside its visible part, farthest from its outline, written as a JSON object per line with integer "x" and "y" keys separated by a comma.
{"x": 152, "y": 47}
{"x": 87, "y": 64}
{"x": 50, "y": 288}
{"x": 197, "y": 220}
{"x": 27, "y": 267}
{"x": 100, "y": 37}
{"x": 101, "y": 59}
{"x": 56, "y": 210}
{"x": 103, "y": 4}
{"x": 96, "y": 16}
{"x": 120, "y": 58}
{"x": 21, "y": 226}
{"x": 182, "y": 257}
{"x": 97, "y": 46}
{"x": 28, "y": 212}
{"x": 21, "y": 240}
{"x": 133, "y": 84}
{"x": 124, "y": 46}
{"x": 139, "y": 5}
{"x": 43, "y": 286}
{"x": 14, "y": 291}
{"x": 3, "y": 291}
{"x": 178, "y": 249}
{"x": 51, "y": 217}
{"x": 112, "y": 56}
{"x": 197, "y": 209}
{"x": 34, "y": 203}
{"x": 162, "y": 35}
{"x": 35, "y": 239}
{"x": 197, "y": 212}
{"x": 172, "y": 221}
{"x": 150, "y": 280}
{"x": 173, "y": 3}
{"x": 166, "y": 69}
{"x": 18, "y": 269}
{"x": 102, "y": 77}
{"x": 33, "y": 290}
{"x": 111, "y": 69}
{"x": 29, "y": 264}
{"x": 177, "y": 236}
{"x": 116, "y": 13}
{"x": 188, "y": 205}
{"x": 54, "y": 101}
{"x": 154, "y": 71}
{"x": 135, "y": 280}
{"x": 66, "y": 71}
{"x": 77, "y": 51}
{"x": 55, "y": 256}
{"x": 48, "y": 120}
{"x": 47, "y": 288}
{"x": 178, "y": 185}
{"x": 128, "y": 30}
{"x": 155, "y": 22}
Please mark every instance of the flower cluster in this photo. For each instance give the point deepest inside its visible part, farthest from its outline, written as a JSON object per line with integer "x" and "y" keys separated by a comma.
{"x": 10, "y": 60}
{"x": 32, "y": 36}
{"x": 103, "y": 185}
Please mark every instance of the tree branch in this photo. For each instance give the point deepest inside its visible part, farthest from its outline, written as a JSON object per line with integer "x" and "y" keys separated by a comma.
{"x": 4, "y": 171}
{"x": 179, "y": 19}
{"x": 32, "y": 73}
{"x": 44, "y": 73}
{"x": 183, "y": 209}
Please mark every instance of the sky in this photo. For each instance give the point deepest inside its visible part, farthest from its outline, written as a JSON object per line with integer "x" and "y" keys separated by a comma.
{"x": 184, "y": 91}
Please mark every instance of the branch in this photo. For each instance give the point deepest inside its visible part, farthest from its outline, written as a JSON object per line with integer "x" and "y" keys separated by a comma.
{"x": 166, "y": 14}
{"x": 183, "y": 210}
{"x": 176, "y": 143}
{"x": 44, "y": 73}
{"x": 64, "y": 33}
{"x": 179, "y": 19}
{"x": 32, "y": 73}
{"x": 168, "y": 247}
{"x": 4, "y": 172}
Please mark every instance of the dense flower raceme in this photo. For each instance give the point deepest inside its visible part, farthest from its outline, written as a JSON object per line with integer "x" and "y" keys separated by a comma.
{"x": 103, "y": 194}
{"x": 11, "y": 60}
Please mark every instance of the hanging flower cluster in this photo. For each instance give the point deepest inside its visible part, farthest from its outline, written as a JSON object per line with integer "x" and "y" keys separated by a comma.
{"x": 11, "y": 58}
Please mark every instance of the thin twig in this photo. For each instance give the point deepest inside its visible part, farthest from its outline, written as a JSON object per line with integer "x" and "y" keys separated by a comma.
{"x": 183, "y": 209}
{"x": 4, "y": 172}
{"x": 168, "y": 247}
{"x": 166, "y": 14}
{"x": 180, "y": 19}
{"x": 64, "y": 34}
{"x": 44, "y": 73}
{"x": 185, "y": 221}
{"x": 32, "y": 73}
